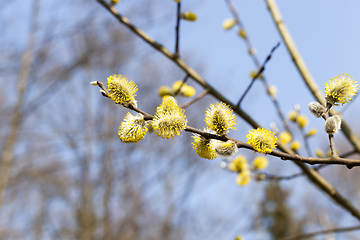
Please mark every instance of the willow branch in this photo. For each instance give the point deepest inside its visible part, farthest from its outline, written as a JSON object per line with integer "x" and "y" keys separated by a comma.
{"x": 282, "y": 155}
{"x": 312, "y": 175}
{"x": 300, "y": 64}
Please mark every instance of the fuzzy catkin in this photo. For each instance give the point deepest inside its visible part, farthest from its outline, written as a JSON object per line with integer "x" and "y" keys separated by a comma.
{"x": 317, "y": 109}
{"x": 332, "y": 124}
{"x": 226, "y": 149}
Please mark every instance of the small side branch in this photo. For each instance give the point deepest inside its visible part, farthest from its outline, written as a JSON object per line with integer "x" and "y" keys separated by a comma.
{"x": 280, "y": 178}
{"x": 262, "y": 68}
{"x": 306, "y": 141}
{"x": 200, "y": 96}
{"x": 177, "y": 30}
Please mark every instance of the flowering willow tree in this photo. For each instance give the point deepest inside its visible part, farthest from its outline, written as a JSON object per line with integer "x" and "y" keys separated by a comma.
{"x": 169, "y": 119}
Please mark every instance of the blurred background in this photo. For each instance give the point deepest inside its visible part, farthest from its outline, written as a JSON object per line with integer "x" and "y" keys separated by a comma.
{"x": 64, "y": 173}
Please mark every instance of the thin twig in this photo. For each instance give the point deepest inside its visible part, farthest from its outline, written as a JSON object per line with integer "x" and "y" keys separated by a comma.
{"x": 333, "y": 230}
{"x": 348, "y": 153}
{"x": 317, "y": 168}
{"x": 257, "y": 64}
{"x": 306, "y": 142}
{"x": 200, "y": 96}
{"x": 279, "y": 178}
{"x": 262, "y": 68}
{"x": 241, "y": 26}
{"x": 177, "y": 30}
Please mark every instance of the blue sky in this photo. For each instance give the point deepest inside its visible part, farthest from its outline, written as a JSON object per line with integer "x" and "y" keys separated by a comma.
{"x": 325, "y": 32}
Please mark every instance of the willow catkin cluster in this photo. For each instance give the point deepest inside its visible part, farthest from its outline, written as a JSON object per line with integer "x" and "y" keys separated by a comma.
{"x": 169, "y": 120}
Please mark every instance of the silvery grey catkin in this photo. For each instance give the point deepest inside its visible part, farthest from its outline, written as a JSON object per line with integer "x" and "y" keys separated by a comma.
{"x": 226, "y": 149}
{"x": 317, "y": 109}
{"x": 332, "y": 124}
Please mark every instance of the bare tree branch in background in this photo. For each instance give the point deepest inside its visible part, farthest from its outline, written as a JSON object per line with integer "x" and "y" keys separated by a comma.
{"x": 17, "y": 111}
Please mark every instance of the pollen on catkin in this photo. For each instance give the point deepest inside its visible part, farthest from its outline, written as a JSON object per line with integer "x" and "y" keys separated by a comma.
{"x": 169, "y": 120}
{"x": 133, "y": 128}
{"x": 262, "y": 140}
{"x": 317, "y": 109}
{"x": 220, "y": 118}
{"x": 121, "y": 90}
{"x": 226, "y": 149}
{"x": 340, "y": 89}
{"x": 168, "y": 106}
{"x": 204, "y": 147}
